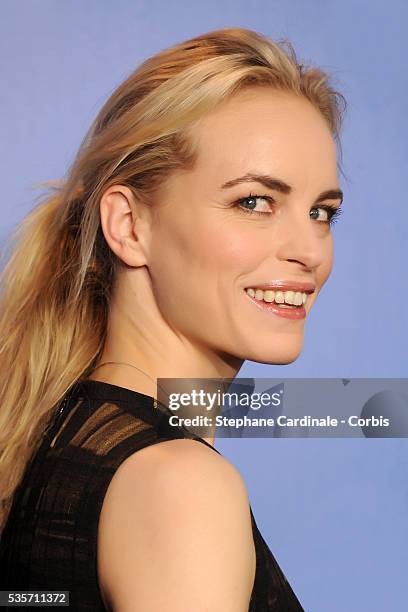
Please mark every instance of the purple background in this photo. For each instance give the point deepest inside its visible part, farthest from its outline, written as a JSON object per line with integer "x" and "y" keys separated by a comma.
{"x": 333, "y": 511}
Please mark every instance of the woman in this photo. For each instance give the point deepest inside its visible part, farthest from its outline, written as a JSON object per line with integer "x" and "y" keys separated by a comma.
{"x": 200, "y": 201}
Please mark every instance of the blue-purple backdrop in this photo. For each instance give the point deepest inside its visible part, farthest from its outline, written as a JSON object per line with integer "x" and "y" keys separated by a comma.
{"x": 335, "y": 512}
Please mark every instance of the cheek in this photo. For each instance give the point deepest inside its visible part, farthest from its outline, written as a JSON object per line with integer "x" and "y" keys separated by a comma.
{"x": 233, "y": 252}
{"x": 200, "y": 253}
{"x": 232, "y": 247}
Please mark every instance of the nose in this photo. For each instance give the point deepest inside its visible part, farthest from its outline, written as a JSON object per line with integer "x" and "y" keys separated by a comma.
{"x": 304, "y": 241}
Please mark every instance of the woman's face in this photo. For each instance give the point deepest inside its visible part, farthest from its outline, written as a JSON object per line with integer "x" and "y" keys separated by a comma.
{"x": 206, "y": 250}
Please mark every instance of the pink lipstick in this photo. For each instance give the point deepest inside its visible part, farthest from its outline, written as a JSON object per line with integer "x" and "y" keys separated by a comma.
{"x": 285, "y": 286}
{"x": 283, "y": 310}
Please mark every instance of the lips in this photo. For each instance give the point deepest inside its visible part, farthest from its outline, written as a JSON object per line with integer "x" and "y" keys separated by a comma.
{"x": 295, "y": 313}
{"x": 285, "y": 286}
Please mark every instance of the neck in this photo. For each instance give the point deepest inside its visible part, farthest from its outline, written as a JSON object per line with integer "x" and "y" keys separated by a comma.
{"x": 143, "y": 337}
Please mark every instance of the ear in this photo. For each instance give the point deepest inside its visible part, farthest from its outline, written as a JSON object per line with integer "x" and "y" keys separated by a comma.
{"x": 126, "y": 225}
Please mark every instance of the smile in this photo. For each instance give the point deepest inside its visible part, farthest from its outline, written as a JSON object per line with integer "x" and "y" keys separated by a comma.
{"x": 286, "y": 304}
{"x": 294, "y": 298}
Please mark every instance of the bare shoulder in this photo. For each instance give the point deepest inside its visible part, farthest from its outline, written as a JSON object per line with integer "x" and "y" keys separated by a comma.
{"x": 176, "y": 518}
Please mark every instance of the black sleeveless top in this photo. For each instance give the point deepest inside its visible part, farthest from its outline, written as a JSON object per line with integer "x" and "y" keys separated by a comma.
{"x": 49, "y": 541}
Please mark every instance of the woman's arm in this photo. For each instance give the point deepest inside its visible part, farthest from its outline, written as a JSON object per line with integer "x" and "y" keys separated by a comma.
{"x": 175, "y": 533}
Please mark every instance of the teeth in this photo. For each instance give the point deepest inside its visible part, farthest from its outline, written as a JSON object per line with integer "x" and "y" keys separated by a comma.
{"x": 295, "y": 298}
{"x": 298, "y": 298}
{"x": 289, "y": 297}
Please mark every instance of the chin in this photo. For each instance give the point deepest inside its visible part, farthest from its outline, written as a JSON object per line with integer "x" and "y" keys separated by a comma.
{"x": 286, "y": 360}
{"x": 276, "y": 358}
{"x": 282, "y": 351}
{"x": 283, "y": 359}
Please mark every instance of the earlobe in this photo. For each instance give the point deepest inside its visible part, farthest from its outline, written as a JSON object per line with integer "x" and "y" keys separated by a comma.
{"x": 123, "y": 226}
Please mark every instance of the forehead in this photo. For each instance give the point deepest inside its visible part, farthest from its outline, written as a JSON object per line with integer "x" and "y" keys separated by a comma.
{"x": 263, "y": 130}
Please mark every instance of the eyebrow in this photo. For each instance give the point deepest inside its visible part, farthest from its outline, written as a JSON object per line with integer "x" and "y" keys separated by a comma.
{"x": 278, "y": 185}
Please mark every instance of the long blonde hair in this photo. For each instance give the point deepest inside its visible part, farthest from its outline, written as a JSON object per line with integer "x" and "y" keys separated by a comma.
{"x": 56, "y": 286}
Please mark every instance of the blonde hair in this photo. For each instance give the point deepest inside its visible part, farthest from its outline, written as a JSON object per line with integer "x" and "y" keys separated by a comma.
{"x": 56, "y": 286}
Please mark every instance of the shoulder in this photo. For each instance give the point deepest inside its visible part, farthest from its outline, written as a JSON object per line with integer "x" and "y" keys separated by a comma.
{"x": 179, "y": 511}
{"x": 178, "y": 462}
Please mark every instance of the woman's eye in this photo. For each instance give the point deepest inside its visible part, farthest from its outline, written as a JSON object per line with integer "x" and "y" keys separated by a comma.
{"x": 261, "y": 202}
{"x": 324, "y": 217}
{"x": 331, "y": 213}
{"x": 261, "y": 205}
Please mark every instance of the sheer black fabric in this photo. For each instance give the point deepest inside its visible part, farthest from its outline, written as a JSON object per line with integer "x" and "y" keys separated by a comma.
{"x": 50, "y": 539}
